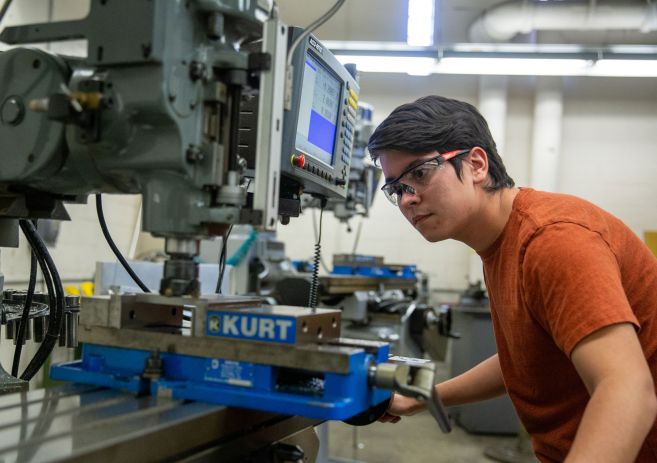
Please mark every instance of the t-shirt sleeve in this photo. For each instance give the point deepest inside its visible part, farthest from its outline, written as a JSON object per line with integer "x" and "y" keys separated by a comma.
{"x": 572, "y": 284}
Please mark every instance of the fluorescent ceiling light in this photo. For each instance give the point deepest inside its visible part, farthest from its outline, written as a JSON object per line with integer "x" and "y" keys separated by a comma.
{"x": 474, "y": 66}
{"x": 420, "y": 26}
{"x": 520, "y": 48}
{"x": 513, "y": 66}
{"x": 625, "y": 68}
{"x": 373, "y": 47}
{"x": 547, "y": 67}
{"x": 503, "y": 66}
{"x": 500, "y": 59}
{"x": 394, "y": 64}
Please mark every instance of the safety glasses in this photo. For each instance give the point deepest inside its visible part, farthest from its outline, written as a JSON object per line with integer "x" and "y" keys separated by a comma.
{"x": 417, "y": 176}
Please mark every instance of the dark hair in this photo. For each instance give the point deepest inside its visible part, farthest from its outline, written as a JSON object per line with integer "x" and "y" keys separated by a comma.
{"x": 436, "y": 123}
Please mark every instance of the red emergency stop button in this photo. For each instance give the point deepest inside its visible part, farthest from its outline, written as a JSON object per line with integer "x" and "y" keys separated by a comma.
{"x": 298, "y": 161}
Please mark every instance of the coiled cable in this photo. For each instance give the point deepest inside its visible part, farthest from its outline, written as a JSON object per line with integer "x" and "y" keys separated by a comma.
{"x": 314, "y": 284}
{"x": 315, "y": 234}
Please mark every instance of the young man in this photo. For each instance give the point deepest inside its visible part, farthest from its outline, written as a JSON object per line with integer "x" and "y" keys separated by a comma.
{"x": 573, "y": 292}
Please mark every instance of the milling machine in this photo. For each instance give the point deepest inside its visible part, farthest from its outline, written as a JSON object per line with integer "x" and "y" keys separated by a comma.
{"x": 217, "y": 114}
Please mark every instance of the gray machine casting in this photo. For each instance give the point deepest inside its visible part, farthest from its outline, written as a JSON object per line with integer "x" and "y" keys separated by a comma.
{"x": 153, "y": 109}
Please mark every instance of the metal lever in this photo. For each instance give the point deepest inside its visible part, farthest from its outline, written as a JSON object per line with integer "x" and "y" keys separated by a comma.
{"x": 412, "y": 378}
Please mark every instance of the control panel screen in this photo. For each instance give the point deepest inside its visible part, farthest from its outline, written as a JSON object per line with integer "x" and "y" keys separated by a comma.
{"x": 318, "y": 111}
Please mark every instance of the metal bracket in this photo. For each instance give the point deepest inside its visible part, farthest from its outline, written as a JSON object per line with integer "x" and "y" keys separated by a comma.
{"x": 270, "y": 125}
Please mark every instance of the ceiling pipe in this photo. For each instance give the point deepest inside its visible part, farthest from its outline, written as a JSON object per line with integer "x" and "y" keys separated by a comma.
{"x": 502, "y": 22}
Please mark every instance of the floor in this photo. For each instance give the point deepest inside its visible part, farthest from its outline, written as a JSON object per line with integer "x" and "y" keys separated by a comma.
{"x": 417, "y": 439}
{"x": 414, "y": 439}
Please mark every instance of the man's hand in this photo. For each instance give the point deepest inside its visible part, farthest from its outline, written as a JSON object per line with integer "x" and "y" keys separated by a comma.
{"x": 401, "y": 406}
{"x": 481, "y": 382}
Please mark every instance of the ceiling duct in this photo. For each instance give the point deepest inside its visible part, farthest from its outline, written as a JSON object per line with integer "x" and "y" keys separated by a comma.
{"x": 502, "y": 22}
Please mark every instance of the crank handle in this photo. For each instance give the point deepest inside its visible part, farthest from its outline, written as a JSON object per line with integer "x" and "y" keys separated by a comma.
{"x": 412, "y": 378}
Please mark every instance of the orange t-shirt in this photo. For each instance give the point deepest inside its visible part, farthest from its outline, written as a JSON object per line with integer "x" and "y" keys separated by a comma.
{"x": 561, "y": 269}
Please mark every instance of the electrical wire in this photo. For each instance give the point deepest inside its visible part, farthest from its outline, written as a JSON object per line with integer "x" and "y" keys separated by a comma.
{"x": 357, "y": 239}
{"x": 56, "y": 304}
{"x": 25, "y": 316}
{"x": 4, "y": 9}
{"x": 314, "y": 284}
{"x": 112, "y": 245}
{"x": 289, "y": 68}
{"x": 222, "y": 260}
{"x": 321, "y": 20}
{"x": 55, "y": 296}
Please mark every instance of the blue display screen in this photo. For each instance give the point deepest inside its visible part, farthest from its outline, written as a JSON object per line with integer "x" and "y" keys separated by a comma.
{"x": 322, "y": 132}
{"x": 318, "y": 111}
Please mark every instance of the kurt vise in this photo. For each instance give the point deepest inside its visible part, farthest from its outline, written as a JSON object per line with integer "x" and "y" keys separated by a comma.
{"x": 238, "y": 351}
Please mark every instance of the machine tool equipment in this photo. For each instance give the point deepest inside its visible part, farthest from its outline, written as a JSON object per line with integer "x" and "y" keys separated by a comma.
{"x": 236, "y": 351}
{"x": 88, "y": 423}
{"x": 376, "y": 300}
{"x": 179, "y": 108}
{"x": 12, "y": 307}
{"x": 383, "y": 301}
{"x": 217, "y": 114}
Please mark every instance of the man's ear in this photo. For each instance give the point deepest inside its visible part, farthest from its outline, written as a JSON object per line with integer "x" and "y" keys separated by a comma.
{"x": 479, "y": 165}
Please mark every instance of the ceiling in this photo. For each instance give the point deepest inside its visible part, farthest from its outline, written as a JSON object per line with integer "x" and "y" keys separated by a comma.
{"x": 385, "y": 20}
{"x": 383, "y": 24}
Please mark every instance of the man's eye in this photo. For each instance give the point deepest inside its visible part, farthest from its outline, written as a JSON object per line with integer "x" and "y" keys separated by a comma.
{"x": 418, "y": 174}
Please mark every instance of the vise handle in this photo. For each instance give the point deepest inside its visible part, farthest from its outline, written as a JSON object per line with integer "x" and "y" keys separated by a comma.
{"x": 412, "y": 378}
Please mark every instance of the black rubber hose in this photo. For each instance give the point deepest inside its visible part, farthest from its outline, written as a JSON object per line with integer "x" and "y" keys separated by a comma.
{"x": 25, "y": 316}
{"x": 112, "y": 245}
{"x": 55, "y": 295}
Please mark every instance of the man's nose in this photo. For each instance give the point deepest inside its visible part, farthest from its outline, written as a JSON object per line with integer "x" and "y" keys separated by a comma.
{"x": 409, "y": 199}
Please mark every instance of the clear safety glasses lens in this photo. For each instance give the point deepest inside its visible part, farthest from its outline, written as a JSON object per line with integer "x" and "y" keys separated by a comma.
{"x": 394, "y": 192}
